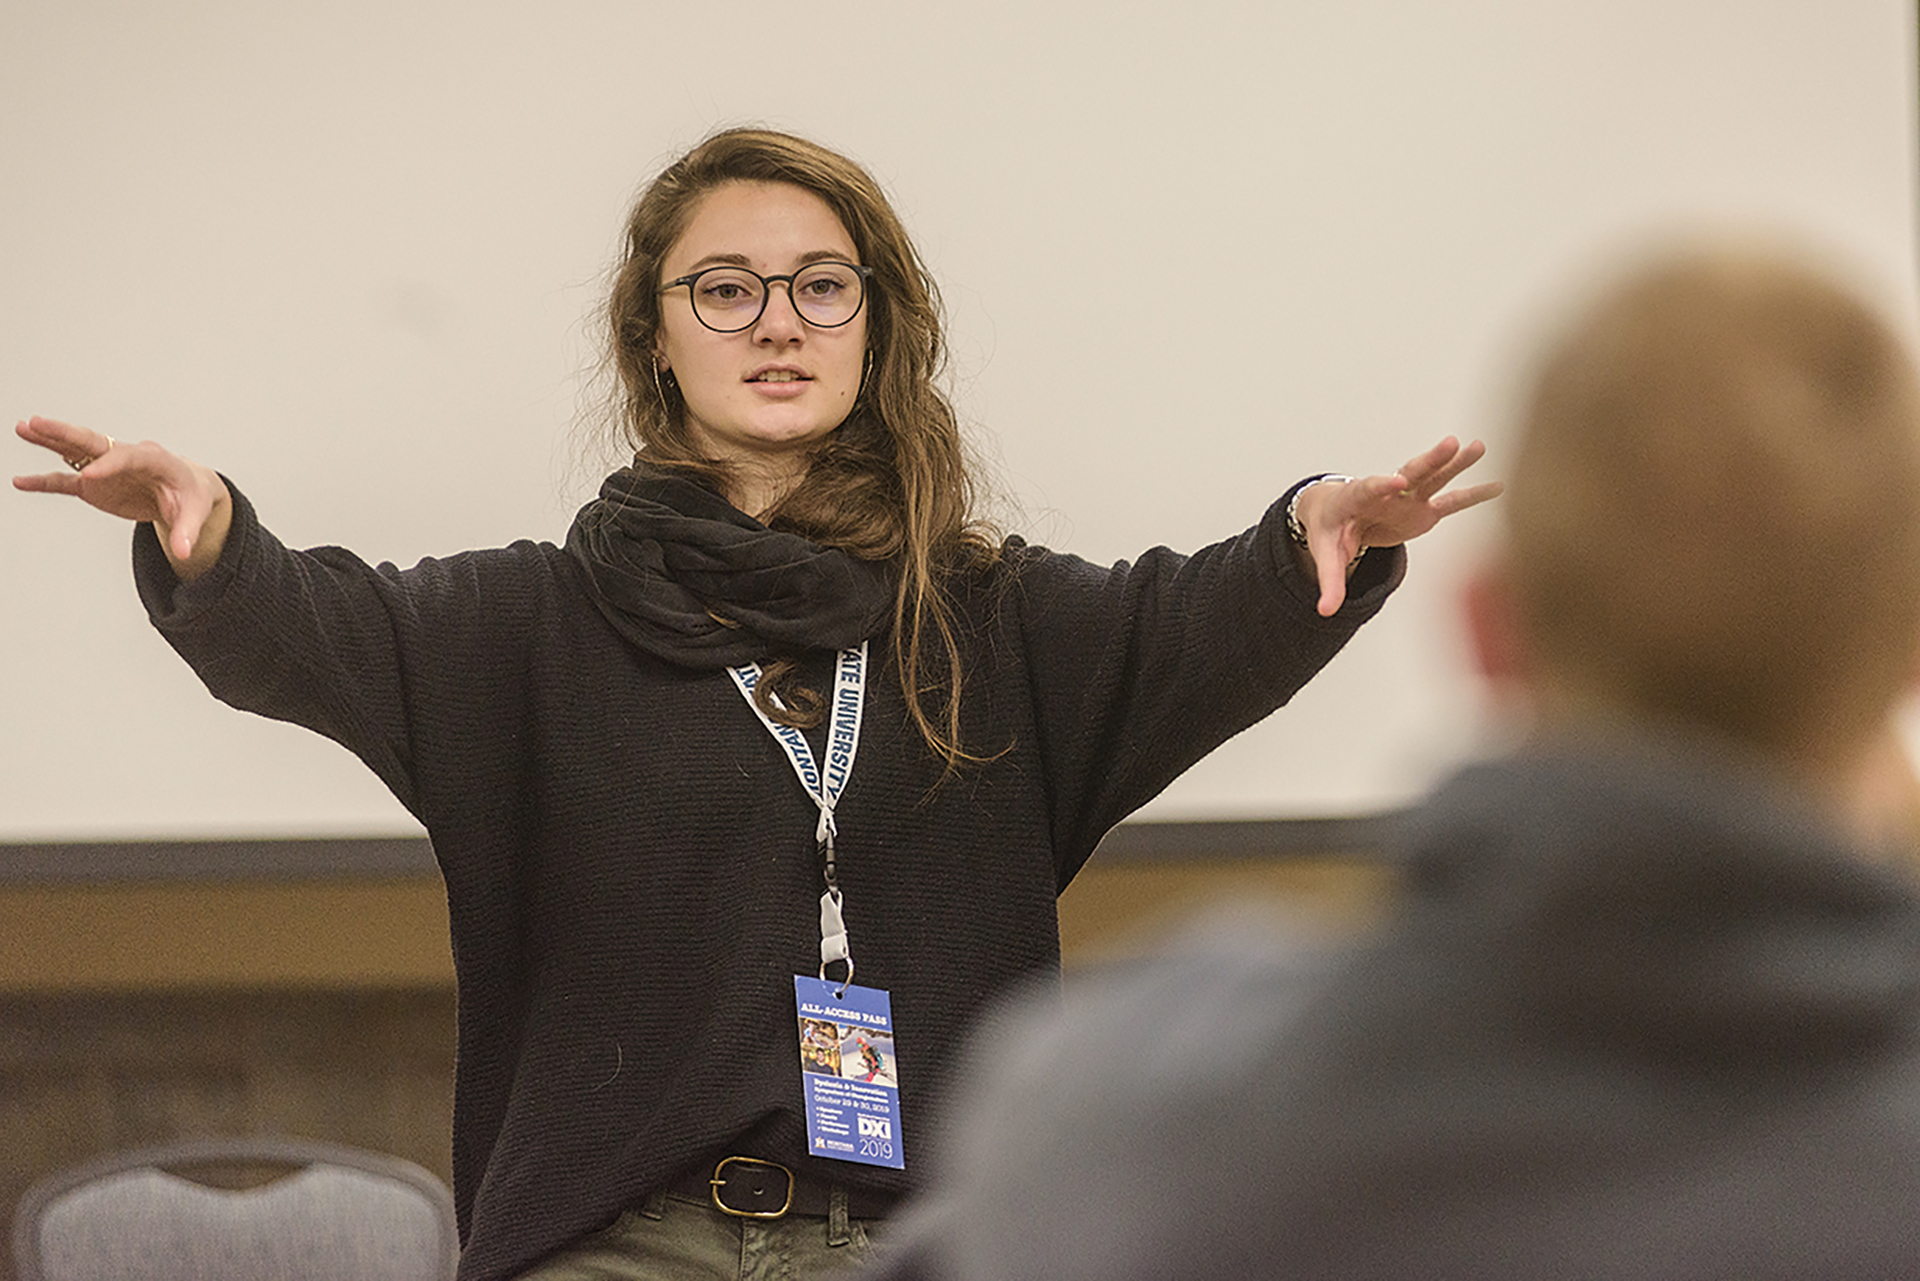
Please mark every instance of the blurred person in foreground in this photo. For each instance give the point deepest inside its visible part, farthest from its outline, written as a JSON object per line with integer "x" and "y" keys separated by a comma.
{"x": 1648, "y": 1003}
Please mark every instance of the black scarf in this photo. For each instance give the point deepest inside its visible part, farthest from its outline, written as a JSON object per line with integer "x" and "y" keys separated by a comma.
{"x": 664, "y": 556}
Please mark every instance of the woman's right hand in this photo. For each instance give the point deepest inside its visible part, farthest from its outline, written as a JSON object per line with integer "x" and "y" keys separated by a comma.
{"x": 188, "y": 504}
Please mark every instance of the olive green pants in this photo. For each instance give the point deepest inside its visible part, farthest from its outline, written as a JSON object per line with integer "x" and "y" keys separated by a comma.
{"x": 675, "y": 1239}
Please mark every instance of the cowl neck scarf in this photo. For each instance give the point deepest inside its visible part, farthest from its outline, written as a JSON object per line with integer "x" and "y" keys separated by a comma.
{"x": 664, "y": 556}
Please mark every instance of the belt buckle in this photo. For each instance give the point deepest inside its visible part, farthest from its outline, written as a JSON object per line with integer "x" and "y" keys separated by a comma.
{"x": 719, "y": 1180}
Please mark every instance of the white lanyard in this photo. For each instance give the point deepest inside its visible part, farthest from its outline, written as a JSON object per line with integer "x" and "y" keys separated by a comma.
{"x": 823, "y": 788}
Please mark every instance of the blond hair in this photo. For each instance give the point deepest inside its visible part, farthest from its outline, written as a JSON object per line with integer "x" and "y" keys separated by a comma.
{"x": 1714, "y": 512}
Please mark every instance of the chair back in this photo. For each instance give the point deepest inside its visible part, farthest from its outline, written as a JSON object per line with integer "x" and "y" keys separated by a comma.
{"x": 335, "y": 1214}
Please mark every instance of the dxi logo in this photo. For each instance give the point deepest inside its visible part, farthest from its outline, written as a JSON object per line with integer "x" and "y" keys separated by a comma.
{"x": 875, "y": 1127}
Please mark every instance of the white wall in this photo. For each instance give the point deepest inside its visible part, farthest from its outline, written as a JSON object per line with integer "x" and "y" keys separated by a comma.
{"x": 346, "y": 253}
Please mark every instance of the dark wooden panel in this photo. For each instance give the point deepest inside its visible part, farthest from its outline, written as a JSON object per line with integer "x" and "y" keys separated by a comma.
{"x": 86, "y": 1073}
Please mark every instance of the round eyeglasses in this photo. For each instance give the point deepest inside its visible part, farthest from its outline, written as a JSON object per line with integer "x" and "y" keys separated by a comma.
{"x": 728, "y": 299}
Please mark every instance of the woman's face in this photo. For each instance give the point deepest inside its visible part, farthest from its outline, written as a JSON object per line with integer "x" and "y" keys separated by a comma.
{"x": 761, "y": 397}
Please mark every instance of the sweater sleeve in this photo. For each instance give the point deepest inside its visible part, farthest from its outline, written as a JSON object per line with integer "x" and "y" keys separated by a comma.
{"x": 1140, "y": 669}
{"x": 320, "y": 638}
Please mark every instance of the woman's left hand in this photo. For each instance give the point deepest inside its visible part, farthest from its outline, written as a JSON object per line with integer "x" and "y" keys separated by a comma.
{"x": 1343, "y": 520}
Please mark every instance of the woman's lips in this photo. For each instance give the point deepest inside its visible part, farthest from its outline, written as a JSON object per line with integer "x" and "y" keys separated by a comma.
{"x": 779, "y": 383}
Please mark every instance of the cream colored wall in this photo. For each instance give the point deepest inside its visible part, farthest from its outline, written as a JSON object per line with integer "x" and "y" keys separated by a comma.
{"x": 345, "y": 252}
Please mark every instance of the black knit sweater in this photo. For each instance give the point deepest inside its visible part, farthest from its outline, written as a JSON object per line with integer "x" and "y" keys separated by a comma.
{"x": 629, "y": 860}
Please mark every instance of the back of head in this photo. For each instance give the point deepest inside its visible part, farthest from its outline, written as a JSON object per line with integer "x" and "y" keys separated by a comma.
{"x": 1714, "y": 512}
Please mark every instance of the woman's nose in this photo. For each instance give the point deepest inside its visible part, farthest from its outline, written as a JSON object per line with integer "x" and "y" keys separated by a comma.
{"x": 779, "y": 319}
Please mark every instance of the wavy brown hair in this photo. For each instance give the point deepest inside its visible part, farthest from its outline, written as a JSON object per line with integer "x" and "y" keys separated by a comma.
{"x": 892, "y": 482}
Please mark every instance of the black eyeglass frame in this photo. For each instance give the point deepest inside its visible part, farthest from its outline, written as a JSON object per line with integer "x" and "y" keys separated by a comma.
{"x": 766, "y": 292}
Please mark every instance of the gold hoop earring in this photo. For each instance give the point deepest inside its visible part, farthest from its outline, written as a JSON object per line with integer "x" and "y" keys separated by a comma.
{"x": 661, "y": 390}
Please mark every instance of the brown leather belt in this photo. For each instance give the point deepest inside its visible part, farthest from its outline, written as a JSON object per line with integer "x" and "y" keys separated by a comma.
{"x": 750, "y": 1188}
